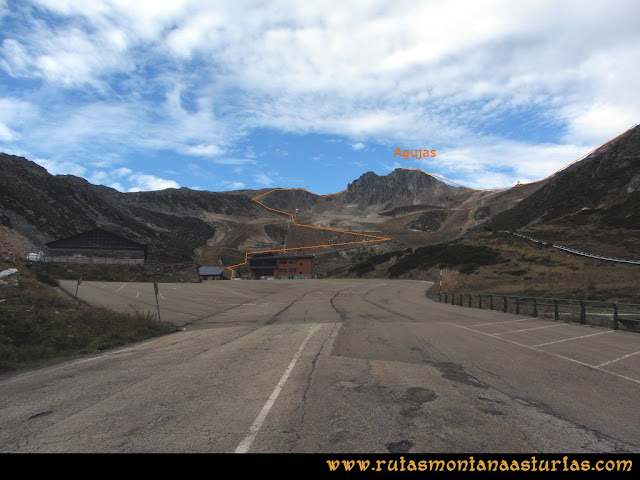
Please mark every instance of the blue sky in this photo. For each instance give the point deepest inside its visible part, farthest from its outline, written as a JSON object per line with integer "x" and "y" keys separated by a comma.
{"x": 154, "y": 94}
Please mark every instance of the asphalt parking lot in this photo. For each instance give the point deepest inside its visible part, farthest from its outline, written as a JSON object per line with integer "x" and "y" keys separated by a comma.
{"x": 368, "y": 366}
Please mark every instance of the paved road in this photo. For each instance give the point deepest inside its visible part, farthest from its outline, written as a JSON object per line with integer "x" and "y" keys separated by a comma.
{"x": 330, "y": 366}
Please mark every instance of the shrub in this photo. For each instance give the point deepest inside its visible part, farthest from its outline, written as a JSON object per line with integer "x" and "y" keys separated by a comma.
{"x": 449, "y": 254}
{"x": 45, "y": 277}
{"x": 516, "y": 272}
{"x": 468, "y": 268}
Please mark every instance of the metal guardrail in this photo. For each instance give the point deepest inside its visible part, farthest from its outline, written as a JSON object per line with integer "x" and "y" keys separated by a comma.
{"x": 573, "y": 250}
{"x": 613, "y": 314}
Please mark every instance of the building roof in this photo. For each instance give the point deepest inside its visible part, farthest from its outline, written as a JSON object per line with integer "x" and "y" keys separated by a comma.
{"x": 279, "y": 257}
{"x": 210, "y": 270}
{"x": 73, "y": 239}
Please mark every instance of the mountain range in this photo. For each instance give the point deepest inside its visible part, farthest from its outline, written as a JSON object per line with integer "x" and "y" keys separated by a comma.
{"x": 583, "y": 203}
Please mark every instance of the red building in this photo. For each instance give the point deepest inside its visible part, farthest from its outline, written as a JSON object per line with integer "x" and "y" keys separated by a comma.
{"x": 266, "y": 265}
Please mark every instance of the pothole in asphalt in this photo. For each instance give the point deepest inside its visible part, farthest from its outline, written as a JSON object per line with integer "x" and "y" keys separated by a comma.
{"x": 414, "y": 398}
{"x": 456, "y": 373}
{"x": 403, "y": 446}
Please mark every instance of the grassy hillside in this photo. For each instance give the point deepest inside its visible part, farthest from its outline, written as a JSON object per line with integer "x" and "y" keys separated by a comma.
{"x": 38, "y": 323}
{"x": 531, "y": 269}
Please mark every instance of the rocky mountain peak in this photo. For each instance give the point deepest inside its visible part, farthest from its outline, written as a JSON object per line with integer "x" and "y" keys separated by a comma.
{"x": 402, "y": 186}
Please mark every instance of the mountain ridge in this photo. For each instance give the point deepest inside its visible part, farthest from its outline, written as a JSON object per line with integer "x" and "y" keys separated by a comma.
{"x": 409, "y": 206}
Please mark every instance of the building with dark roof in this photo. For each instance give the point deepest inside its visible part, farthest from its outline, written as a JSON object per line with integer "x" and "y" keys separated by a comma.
{"x": 210, "y": 273}
{"x": 97, "y": 243}
{"x": 262, "y": 266}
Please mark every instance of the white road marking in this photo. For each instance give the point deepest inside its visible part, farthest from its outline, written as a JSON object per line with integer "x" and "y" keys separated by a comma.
{"x": 527, "y": 329}
{"x": 245, "y": 444}
{"x": 621, "y": 358}
{"x": 595, "y": 367}
{"x": 123, "y": 285}
{"x": 572, "y": 338}
{"x": 161, "y": 296}
{"x": 496, "y": 323}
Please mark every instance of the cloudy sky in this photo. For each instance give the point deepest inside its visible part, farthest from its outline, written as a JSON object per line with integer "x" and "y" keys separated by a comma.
{"x": 152, "y": 94}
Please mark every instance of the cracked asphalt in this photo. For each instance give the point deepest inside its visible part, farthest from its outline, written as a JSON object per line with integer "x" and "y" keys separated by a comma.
{"x": 368, "y": 366}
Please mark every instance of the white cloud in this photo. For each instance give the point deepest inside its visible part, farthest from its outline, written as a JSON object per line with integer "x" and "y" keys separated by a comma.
{"x": 499, "y": 164}
{"x": 121, "y": 172}
{"x": 143, "y": 182}
{"x": 15, "y": 60}
{"x": 263, "y": 179}
{"x": 102, "y": 177}
{"x": 6, "y": 133}
{"x": 357, "y": 146}
{"x": 233, "y": 185}
{"x": 135, "y": 182}
{"x": 61, "y": 167}
{"x": 204, "y": 150}
{"x": 601, "y": 120}
{"x": 233, "y": 161}
{"x": 191, "y": 78}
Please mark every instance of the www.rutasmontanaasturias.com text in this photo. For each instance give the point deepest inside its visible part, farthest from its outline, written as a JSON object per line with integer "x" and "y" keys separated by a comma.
{"x": 417, "y": 154}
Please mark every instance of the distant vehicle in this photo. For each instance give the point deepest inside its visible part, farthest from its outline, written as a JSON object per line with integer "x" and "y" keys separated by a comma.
{"x": 34, "y": 257}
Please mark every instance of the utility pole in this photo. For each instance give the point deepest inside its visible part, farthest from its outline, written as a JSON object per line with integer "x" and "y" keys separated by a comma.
{"x": 78, "y": 286}
{"x": 155, "y": 288}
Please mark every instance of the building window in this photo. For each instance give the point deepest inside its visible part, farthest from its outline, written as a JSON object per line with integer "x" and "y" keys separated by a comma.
{"x": 292, "y": 270}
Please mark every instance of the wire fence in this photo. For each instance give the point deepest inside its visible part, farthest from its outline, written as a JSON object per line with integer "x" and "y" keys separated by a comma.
{"x": 615, "y": 315}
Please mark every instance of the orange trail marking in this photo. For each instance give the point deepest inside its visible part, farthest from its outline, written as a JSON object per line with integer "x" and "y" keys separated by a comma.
{"x": 374, "y": 238}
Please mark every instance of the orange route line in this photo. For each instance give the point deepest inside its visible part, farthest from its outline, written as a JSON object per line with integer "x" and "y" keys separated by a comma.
{"x": 246, "y": 256}
{"x": 521, "y": 184}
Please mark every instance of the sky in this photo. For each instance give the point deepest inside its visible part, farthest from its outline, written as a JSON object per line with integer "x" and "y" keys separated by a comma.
{"x": 227, "y": 95}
